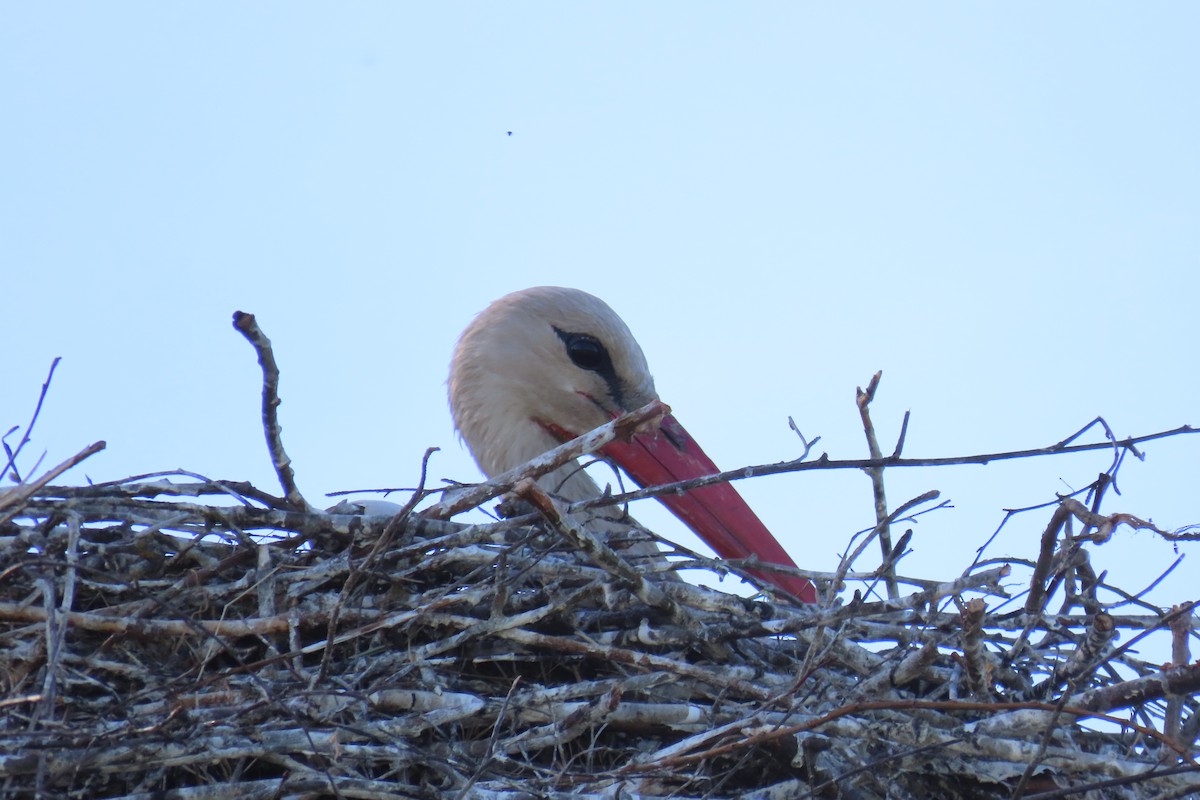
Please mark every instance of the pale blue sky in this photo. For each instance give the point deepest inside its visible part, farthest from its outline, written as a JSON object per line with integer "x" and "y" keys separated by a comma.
{"x": 996, "y": 204}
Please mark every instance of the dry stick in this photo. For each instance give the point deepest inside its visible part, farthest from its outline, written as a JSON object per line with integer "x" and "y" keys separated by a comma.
{"x": 200, "y": 518}
{"x": 567, "y": 728}
{"x": 1036, "y": 599}
{"x": 37, "y": 410}
{"x": 52, "y": 644}
{"x": 911, "y": 667}
{"x": 623, "y": 427}
{"x": 824, "y": 463}
{"x": 53, "y": 639}
{"x": 56, "y": 627}
{"x": 15, "y": 497}
{"x": 597, "y": 550}
{"x": 863, "y": 399}
{"x": 1081, "y": 662}
{"x": 89, "y": 621}
{"x": 1181, "y": 627}
{"x": 490, "y": 753}
{"x": 974, "y": 654}
{"x": 1165, "y": 620}
{"x": 823, "y": 789}
{"x": 1088, "y": 653}
{"x": 921, "y": 600}
{"x": 354, "y": 572}
{"x": 474, "y": 628}
{"x": 138, "y": 486}
{"x": 637, "y": 658}
{"x": 1125, "y": 780}
{"x": 811, "y": 657}
{"x": 847, "y": 561}
{"x": 248, "y": 327}
{"x": 999, "y": 710}
{"x": 1095, "y": 489}
{"x": 1087, "y": 656}
{"x": 1166, "y": 683}
{"x": 701, "y": 739}
{"x": 1104, "y": 525}
{"x": 1180, "y": 680}
{"x": 1041, "y": 572}
{"x": 1067, "y": 508}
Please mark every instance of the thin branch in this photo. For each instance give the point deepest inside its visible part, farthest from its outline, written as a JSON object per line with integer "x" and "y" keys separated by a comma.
{"x": 863, "y": 399}
{"x": 597, "y": 550}
{"x": 824, "y": 463}
{"x": 473, "y": 496}
{"x": 15, "y": 497}
{"x": 497, "y": 661}
{"x": 246, "y": 325}
{"x": 1182, "y": 623}
{"x": 37, "y": 410}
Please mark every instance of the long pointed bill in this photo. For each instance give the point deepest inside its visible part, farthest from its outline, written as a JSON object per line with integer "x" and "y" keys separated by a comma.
{"x": 716, "y": 513}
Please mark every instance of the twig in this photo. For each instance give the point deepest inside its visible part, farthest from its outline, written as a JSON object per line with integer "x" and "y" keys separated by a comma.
{"x": 246, "y": 325}
{"x": 37, "y": 410}
{"x": 89, "y": 621}
{"x": 1125, "y": 780}
{"x": 490, "y": 753}
{"x": 1181, "y": 680}
{"x": 974, "y": 656}
{"x": 621, "y": 427}
{"x": 882, "y": 528}
{"x": 598, "y": 551}
{"x": 381, "y": 543}
{"x": 824, "y": 463}
{"x": 1034, "y": 601}
{"x": 1181, "y": 628}
{"x": 805, "y": 443}
{"x": 848, "y": 560}
{"x": 190, "y": 660}
{"x": 14, "y": 498}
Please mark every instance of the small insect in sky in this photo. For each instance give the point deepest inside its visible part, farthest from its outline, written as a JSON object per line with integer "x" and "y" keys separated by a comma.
{"x": 510, "y": 133}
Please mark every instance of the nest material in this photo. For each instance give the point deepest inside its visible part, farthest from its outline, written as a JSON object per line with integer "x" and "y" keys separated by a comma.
{"x": 173, "y": 649}
{"x": 156, "y": 646}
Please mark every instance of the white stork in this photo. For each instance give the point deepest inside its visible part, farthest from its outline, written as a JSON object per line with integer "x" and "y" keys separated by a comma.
{"x": 546, "y": 364}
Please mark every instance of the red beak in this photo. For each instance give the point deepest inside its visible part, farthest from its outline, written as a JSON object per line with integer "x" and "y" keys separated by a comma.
{"x": 716, "y": 513}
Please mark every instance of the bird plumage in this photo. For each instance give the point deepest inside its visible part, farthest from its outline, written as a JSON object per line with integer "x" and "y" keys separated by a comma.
{"x": 548, "y": 363}
{"x": 512, "y": 373}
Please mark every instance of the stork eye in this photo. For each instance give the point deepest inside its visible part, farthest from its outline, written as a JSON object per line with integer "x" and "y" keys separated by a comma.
{"x": 586, "y": 352}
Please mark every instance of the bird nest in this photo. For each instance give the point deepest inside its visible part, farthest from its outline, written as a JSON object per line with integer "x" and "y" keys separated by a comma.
{"x": 192, "y": 638}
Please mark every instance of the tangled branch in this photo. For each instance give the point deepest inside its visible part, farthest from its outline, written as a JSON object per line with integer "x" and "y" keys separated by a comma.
{"x": 175, "y": 636}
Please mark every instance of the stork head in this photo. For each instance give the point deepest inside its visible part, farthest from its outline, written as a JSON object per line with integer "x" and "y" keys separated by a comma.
{"x": 543, "y": 357}
{"x": 546, "y": 363}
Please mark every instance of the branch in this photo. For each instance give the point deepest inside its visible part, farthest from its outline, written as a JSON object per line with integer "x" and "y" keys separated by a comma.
{"x": 15, "y": 497}
{"x": 37, "y": 410}
{"x": 863, "y": 400}
{"x": 247, "y": 326}
{"x": 597, "y": 550}
{"x": 823, "y": 463}
{"x": 621, "y": 427}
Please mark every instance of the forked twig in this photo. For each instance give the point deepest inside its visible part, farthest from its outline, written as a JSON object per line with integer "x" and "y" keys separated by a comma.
{"x": 883, "y": 529}
{"x": 12, "y": 453}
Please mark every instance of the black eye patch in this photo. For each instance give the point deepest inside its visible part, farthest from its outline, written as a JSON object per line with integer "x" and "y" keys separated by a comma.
{"x": 587, "y": 352}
